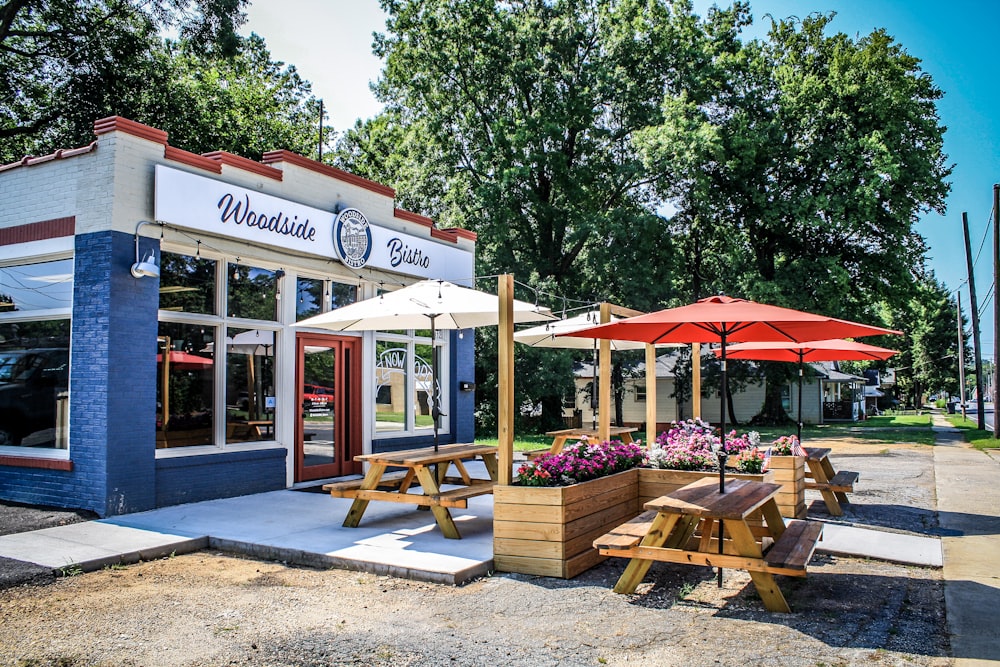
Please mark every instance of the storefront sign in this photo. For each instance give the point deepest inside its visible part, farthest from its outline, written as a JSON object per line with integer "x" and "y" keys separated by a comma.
{"x": 205, "y": 204}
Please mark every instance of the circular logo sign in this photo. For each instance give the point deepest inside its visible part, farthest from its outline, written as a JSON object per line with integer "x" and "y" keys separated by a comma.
{"x": 352, "y": 237}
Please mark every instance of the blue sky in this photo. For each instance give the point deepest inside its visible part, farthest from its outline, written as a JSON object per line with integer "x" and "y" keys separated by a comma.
{"x": 329, "y": 41}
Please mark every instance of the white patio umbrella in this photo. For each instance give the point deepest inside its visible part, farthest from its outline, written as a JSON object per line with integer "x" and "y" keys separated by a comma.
{"x": 428, "y": 304}
{"x": 548, "y": 335}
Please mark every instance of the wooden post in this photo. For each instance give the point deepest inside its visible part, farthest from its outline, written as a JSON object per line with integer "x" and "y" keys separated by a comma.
{"x": 604, "y": 363}
{"x": 505, "y": 380}
{"x": 696, "y": 380}
{"x": 650, "y": 395}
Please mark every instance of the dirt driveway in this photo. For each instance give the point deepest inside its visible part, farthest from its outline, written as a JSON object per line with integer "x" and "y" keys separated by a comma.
{"x": 216, "y": 609}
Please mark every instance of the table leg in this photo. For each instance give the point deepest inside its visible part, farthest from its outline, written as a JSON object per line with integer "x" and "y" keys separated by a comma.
{"x": 637, "y": 568}
{"x": 830, "y": 474}
{"x": 359, "y": 506}
{"x": 557, "y": 444}
{"x": 492, "y": 466}
{"x": 441, "y": 514}
{"x": 764, "y": 582}
{"x": 820, "y": 476}
{"x": 626, "y": 438}
{"x": 773, "y": 520}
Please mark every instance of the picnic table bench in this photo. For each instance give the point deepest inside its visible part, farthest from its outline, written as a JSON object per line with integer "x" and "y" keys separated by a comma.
{"x": 685, "y": 527}
{"x": 559, "y": 438}
{"x": 833, "y": 485}
{"x": 424, "y": 468}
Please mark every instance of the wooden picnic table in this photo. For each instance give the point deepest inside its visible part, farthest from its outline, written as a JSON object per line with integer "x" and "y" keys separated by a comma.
{"x": 822, "y": 477}
{"x": 423, "y": 467}
{"x": 559, "y": 438}
{"x": 685, "y": 527}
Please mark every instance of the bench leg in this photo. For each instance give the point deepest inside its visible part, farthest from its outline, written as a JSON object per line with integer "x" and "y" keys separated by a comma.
{"x": 637, "y": 568}
{"x": 359, "y": 506}
{"x": 822, "y": 473}
{"x": 492, "y": 467}
{"x": 441, "y": 514}
{"x": 764, "y": 582}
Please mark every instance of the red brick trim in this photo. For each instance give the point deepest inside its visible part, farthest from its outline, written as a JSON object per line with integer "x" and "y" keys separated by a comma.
{"x": 119, "y": 124}
{"x": 30, "y": 462}
{"x": 192, "y": 159}
{"x": 246, "y": 164}
{"x": 38, "y": 231}
{"x": 410, "y": 216}
{"x": 452, "y": 234}
{"x": 272, "y": 157}
{"x": 60, "y": 154}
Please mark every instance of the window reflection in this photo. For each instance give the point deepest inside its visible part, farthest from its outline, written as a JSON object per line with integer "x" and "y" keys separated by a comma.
{"x": 391, "y": 368}
{"x": 34, "y": 384}
{"x": 250, "y": 399}
{"x": 423, "y": 394}
{"x": 40, "y": 286}
{"x": 253, "y": 292}
{"x": 185, "y": 385}
{"x": 187, "y": 284}
{"x": 308, "y": 298}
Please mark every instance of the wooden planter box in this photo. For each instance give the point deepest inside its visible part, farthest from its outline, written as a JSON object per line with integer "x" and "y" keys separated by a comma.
{"x": 790, "y": 472}
{"x": 549, "y": 531}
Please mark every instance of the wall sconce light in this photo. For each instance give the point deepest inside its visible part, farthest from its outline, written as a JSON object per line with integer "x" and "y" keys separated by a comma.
{"x": 147, "y": 267}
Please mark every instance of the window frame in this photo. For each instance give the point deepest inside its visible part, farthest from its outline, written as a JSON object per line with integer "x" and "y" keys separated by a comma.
{"x": 40, "y": 252}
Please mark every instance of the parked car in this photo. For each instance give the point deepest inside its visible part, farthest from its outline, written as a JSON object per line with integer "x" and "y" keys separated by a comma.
{"x": 30, "y": 383}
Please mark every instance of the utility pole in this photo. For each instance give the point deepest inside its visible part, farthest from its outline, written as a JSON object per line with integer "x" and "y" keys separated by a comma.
{"x": 320, "y": 158}
{"x": 961, "y": 354}
{"x": 977, "y": 350}
{"x": 996, "y": 306}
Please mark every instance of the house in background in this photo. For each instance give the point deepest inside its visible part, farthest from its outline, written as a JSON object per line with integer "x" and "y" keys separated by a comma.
{"x": 828, "y": 395}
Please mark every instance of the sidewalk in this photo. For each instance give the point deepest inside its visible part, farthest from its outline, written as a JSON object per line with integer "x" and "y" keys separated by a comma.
{"x": 968, "y": 503}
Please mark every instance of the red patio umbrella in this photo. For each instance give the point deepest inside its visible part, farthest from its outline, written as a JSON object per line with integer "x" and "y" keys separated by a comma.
{"x": 723, "y": 320}
{"x": 817, "y": 350}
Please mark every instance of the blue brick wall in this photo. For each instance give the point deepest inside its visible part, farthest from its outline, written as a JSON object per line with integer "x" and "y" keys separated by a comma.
{"x": 112, "y": 387}
{"x": 191, "y": 479}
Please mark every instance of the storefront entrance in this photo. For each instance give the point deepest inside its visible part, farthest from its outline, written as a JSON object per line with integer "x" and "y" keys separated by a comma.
{"x": 328, "y": 389}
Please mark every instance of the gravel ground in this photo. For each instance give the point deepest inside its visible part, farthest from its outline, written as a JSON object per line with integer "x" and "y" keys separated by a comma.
{"x": 216, "y": 609}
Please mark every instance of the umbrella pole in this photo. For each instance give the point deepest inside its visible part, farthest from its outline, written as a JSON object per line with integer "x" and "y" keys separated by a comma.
{"x": 800, "y": 398}
{"x": 722, "y": 448}
{"x": 594, "y": 401}
{"x": 433, "y": 395}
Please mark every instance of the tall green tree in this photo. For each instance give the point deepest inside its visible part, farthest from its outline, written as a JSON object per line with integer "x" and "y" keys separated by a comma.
{"x": 804, "y": 163}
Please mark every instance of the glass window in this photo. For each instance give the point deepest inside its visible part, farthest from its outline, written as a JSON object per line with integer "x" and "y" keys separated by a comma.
{"x": 423, "y": 394}
{"x": 185, "y": 386}
{"x": 404, "y": 390}
{"x": 342, "y": 294}
{"x": 34, "y": 384}
{"x": 187, "y": 284}
{"x": 250, "y": 398}
{"x": 308, "y": 298}
{"x": 41, "y": 286}
{"x": 392, "y": 365}
{"x": 640, "y": 392}
{"x": 253, "y": 292}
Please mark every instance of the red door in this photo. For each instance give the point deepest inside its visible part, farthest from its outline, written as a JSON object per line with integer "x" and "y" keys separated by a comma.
{"x": 328, "y": 393}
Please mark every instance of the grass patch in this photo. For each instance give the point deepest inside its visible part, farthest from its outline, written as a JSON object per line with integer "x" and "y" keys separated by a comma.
{"x": 523, "y": 442}
{"x": 897, "y": 421}
{"x": 979, "y": 439}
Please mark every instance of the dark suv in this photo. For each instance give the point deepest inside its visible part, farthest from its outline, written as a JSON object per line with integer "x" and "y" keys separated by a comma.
{"x": 30, "y": 384}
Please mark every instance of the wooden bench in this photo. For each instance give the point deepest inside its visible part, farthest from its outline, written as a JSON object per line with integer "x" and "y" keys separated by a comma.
{"x": 842, "y": 482}
{"x": 346, "y": 489}
{"x": 789, "y": 555}
{"x": 451, "y": 498}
